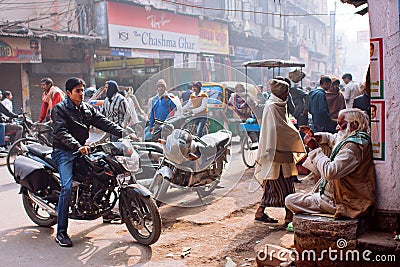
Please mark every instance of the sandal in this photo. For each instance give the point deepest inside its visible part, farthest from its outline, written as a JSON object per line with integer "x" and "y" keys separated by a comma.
{"x": 266, "y": 218}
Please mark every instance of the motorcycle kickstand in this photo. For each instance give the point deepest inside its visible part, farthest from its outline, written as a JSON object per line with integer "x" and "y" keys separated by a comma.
{"x": 200, "y": 197}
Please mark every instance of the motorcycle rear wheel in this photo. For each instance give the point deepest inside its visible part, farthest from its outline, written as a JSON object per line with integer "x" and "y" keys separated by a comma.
{"x": 146, "y": 226}
{"x": 36, "y": 214}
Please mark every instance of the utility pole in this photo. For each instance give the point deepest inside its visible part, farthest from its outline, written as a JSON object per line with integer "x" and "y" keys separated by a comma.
{"x": 85, "y": 17}
{"x": 286, "y": 32}
{"x": 332, "y": 42}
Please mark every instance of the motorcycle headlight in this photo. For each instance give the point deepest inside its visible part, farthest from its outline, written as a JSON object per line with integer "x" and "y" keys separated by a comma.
{"x": 131, "y": 163}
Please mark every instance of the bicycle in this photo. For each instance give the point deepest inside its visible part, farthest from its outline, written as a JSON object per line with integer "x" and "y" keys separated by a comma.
{"x": 249, "y": 132}
{"x": 32, "y": 133}
{"x": 191, "y": 125}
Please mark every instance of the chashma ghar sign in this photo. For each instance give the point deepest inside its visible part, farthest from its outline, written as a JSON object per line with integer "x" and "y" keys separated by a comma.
{"x": 133, "y": 27}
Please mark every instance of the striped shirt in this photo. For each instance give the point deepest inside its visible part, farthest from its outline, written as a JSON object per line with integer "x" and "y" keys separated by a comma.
{"x": 116, "y": 109}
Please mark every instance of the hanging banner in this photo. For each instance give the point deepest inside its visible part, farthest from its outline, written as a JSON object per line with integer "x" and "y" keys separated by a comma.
{"x": 378, "y": 129}
{"x": 137, "y": 27}
{"x": 20, "y": 50}
{"x": 213, "y": 37}
{"x": 376, "y": 68}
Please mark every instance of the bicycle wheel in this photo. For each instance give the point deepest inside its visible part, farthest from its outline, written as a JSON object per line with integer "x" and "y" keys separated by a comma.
{"x": 18, "y": 148}
{"x": 249, "y": 147}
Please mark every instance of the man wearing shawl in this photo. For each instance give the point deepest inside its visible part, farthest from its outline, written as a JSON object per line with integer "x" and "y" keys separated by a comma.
{"x": 335, "y": 99}
{"x": 115, "y": 107}
{"x": 51, "y": 96}
{"x": 347, "y": 185}
{"x": 280, "y": 148}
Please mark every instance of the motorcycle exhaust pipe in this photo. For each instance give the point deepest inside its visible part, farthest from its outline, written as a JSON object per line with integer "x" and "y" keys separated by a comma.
{"x": 43, "y": 205}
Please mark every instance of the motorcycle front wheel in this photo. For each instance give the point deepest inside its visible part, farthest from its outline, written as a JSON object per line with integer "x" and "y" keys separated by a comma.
{"x": 36, "y": 213}
{"x": 142, "y": 218}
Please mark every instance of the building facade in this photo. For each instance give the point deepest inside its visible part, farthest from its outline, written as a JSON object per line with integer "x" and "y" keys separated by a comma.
{"x": 39, "y": 41}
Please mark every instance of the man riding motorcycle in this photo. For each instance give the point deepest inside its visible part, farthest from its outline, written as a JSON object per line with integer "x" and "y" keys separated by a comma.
{"x": 5, "y": 126}
{"x": 71, "y": 121}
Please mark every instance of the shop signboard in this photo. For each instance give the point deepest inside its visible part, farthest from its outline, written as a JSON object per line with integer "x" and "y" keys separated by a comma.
{"x": 135, "y": 27}
{"x": 378, "y": 129}
{"x": 20, "y": 50}
{"x": 376, "y": 68}
{"x": 213, "y": 37}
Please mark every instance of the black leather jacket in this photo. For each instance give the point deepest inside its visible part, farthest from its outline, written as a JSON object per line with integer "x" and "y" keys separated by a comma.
{"x": 71, "y": 124}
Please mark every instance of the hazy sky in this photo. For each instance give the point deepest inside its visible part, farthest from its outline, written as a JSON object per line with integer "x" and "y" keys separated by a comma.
{"x": 356, "y": 53}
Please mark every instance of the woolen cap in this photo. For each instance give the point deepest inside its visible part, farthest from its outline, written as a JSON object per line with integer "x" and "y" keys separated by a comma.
{"x": 161, "y": 82}
{"x": 278, "y": 87}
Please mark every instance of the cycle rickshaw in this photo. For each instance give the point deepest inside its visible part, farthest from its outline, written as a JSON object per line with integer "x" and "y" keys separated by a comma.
{"x": 249, "y": 131}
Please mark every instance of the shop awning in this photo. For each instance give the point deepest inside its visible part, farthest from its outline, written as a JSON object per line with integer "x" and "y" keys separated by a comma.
{"x": 23, "y": 32}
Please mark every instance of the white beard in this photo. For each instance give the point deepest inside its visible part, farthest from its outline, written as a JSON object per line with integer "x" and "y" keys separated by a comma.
{"x": 341, "y": 135}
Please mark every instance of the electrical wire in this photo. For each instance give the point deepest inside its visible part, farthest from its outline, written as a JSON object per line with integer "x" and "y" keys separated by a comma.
{"x": 252, "y": 11}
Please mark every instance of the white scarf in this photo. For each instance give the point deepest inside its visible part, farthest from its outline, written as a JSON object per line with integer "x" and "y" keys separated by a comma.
{"x": 277, "y": 134}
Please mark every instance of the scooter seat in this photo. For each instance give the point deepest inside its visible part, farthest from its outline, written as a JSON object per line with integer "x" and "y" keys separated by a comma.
{"x": 39, "y": 150}
{"x": 218, "y": 139}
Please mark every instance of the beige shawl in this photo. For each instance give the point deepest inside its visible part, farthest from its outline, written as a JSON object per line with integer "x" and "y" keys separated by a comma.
{"x": 278, "y": 136}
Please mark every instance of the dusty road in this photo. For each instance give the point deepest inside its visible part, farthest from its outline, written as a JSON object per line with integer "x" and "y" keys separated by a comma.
{"x": 224, "y": 227}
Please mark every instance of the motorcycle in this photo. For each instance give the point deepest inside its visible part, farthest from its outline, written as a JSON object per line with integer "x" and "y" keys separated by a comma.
{"x": 190, "y": 162}
{"x": 101, "y": 178}
{"x": 184, "y": 121}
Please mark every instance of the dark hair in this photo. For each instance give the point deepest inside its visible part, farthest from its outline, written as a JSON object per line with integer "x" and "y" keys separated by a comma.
{"x": 198, "y": 85}
{"x": 5, "y": 94}
{"x": 47, "y": 81}
{"x": 374, "y": 106}
{"x": 71, "y": 83}
{"x": 336, "y": 82}
{"x": 347, "y": 75}
{"x": 324, "y": 79}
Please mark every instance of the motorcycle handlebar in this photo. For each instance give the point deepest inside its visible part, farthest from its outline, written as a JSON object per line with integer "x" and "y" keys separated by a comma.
{"x": 92, "y": 148}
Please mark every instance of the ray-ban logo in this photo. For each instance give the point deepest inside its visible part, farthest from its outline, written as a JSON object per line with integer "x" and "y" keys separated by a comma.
{"x": 123, "y": 36}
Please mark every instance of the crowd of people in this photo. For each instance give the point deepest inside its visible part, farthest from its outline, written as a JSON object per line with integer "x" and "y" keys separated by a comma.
{"x": 336, "y": 145}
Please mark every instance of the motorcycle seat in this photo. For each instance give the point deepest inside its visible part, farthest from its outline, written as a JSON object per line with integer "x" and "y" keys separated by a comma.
{"x": 149, "y": 146}
{"x": 218, "y": 139}
{"x": 39, "y": 150}
{"x": 50, "y": 161}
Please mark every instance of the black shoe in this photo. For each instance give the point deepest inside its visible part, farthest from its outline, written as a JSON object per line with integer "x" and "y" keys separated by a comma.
{"x": 111, "y": 217}
{"x": 63, "y": 240}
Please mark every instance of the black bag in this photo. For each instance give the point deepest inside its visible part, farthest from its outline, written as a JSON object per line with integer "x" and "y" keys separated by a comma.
{"x": 30, "y": 174}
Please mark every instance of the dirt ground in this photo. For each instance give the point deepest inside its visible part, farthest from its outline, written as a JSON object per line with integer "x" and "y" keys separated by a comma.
{"x": 209, "y": 242}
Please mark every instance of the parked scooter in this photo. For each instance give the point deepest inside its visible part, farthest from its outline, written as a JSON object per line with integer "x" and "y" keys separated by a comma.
{"x": 101, "y": 178}
{"x": 184, "y": 121}
{"x": 190, "y": 162}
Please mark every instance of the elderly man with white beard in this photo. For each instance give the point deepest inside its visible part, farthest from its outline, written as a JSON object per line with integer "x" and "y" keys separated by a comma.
{"x": 347, "y": 185}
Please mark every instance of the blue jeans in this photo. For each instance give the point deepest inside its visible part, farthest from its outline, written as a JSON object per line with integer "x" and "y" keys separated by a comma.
{"x": 2, "y": 133}
{"x": 200, "y": 122}
{"x": 65, "y": 163}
